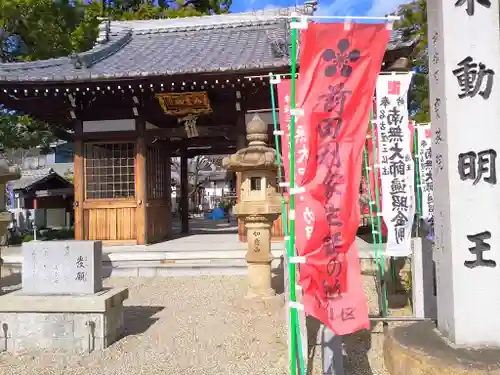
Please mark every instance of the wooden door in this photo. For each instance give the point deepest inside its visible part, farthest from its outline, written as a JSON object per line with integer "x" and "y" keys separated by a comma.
{"x": 109, "y": 205}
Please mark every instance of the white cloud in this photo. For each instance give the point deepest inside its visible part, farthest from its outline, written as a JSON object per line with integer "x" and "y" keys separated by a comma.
{"x": 257, "y": 6}
{"x": 381, "y": 8}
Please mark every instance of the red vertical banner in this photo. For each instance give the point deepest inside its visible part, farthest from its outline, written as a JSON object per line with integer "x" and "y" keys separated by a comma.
{"x": 372, "y": 160}
{"x": 304, "y": 233}
{"x": 411, "y": 127}
{"x": 284, "y": 89}
{"x": 339, "y": 69}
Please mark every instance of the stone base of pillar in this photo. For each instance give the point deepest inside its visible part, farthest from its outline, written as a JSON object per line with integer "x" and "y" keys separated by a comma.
{"x": 259, "y": 281}
{"x": 260, "y": 294}
{"x": 418, "y": 349}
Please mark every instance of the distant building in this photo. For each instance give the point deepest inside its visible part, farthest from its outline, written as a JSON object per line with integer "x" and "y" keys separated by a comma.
{"x": 42, "y": 197}
{"x": 213, "y": 187}
{"x": 61, "y": 153}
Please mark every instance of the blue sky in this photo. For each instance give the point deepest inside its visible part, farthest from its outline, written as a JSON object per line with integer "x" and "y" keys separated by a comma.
{"x": 326, "y": 7}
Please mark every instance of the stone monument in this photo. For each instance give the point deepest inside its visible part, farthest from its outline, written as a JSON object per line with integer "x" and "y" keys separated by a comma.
{"x": 62, "y": 305}
{"x": 464, "y": 63}
{"x": 50, "y": 267}
{"x": 259, "y": 206}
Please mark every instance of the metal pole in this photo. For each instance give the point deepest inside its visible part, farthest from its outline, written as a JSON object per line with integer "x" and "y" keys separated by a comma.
{"x": 331, "y": 352}
{"x": 399, "y": 319}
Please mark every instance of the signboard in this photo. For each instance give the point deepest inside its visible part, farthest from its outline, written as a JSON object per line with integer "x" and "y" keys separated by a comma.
{"x": 395, "y": 158}
{"x": 179, "y": 104}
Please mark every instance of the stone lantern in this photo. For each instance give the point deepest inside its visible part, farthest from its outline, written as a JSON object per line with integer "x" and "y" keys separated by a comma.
{"x": 259, "y": 205}
{"x": 6, "y": 174}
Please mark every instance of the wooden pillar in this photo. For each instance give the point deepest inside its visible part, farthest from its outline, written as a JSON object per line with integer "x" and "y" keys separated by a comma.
{"x": 79, "y": 183}
{"x": 140, "y": 183}
{"x": 168, "y": 188}
{"x": 184, "y": 204}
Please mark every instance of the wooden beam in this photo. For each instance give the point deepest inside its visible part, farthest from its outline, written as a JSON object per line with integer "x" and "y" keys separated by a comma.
{"x": 140, "y": 183}
{"x": 203, "y": 131}
{"x": 54, "y": 192}
{"x": 213, "y": 151}
{"x": 153, "y": 136}
{"x": 113, "y": 106}
{"x": 107, "y": 136}
{"x": 79, "y": 183}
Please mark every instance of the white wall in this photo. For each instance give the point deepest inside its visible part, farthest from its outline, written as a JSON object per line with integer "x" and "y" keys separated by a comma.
{"x": 55, "y": 217}
{"x": 108, "y": 125}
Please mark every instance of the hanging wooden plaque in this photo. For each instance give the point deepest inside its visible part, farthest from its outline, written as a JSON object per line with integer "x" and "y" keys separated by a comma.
{"x": 179, "y": 104}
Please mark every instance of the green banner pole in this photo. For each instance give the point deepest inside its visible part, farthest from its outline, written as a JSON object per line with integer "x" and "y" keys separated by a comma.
{"x": 291, "y": 248}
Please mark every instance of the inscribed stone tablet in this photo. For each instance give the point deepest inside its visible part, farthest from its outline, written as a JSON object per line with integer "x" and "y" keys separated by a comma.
{"x": 62, "y": 267}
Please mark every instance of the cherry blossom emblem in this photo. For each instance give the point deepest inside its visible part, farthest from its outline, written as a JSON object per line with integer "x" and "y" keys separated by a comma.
{"x": 340, "y": 60}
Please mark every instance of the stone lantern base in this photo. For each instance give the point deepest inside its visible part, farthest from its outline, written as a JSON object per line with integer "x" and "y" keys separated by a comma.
{"x": 259, "y": 281}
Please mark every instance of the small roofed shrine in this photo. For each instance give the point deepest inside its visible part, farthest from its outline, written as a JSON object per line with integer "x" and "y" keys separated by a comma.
{"x": 152, "y": 90}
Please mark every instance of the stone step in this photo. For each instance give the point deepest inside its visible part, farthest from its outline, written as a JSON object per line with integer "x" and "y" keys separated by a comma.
{"x": 151, "y": 268}
{"x": 144, "y": 263}
{"x": 165, "y": 257}
{"x": 182, "y": 268}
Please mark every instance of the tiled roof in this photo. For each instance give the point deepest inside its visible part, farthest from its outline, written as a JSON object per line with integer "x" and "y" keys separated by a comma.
{"x": 398, "y": 40}
{"x": 207, "y": 44}
{"x": 31, "y": 177}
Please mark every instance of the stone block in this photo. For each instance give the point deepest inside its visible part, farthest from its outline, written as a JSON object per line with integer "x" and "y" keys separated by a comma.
{"x": 419, "y": 349}
{"x": 81, "y": 325}
{"x": 62, "y": 267}
{"x": 61, "y": 323}
{"x": 55, "y": 325}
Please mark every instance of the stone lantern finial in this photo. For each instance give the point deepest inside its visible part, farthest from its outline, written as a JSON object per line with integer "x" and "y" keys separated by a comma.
{"x": 257, "y": 132}
{"x": 257, "y": 155}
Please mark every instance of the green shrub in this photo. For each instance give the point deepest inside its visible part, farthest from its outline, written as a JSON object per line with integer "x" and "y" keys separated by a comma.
{"x": 27, "y": 238}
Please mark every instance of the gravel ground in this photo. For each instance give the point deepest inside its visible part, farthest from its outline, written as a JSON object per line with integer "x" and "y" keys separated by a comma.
{"x": 195, "y": 325}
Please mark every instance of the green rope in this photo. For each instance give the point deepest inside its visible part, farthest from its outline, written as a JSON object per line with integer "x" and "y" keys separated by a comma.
{"x": 379, "y": 256}
{"x": 291, "y": 246}
{"x": 294, "y": 326}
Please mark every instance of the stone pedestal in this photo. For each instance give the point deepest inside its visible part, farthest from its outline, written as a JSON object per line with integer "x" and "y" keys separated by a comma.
{"x": 258, "y": 257}
{"x": 76, "y": 324}
{"x": 419, "y": 349}
{"x": 259, "y": 281}
{"x": 62, "y": 305}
